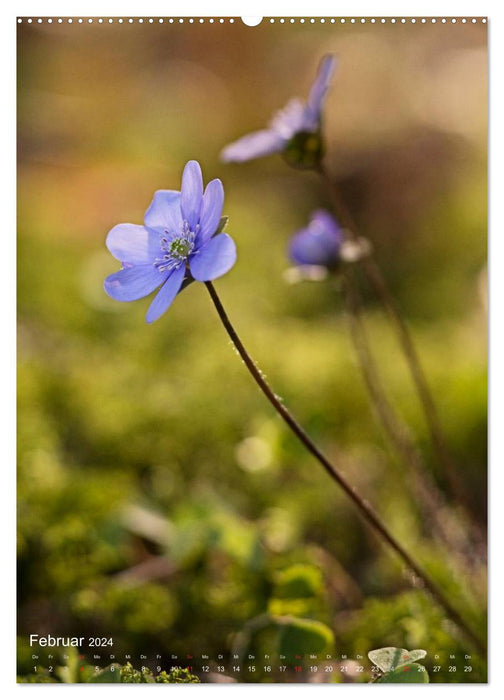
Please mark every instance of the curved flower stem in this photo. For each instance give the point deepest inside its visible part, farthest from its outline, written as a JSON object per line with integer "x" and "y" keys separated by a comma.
{"x": 362, "y": 505}
{"x": 377, "y": 280}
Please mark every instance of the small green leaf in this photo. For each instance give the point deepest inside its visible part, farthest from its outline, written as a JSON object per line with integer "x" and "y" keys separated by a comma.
{"x": 408, "y": 673}
{"x": 299, "y": 581}
{"x": 389, "y": 658}
{"x": 298, "y": 636}
{"x": 222, "y": 224}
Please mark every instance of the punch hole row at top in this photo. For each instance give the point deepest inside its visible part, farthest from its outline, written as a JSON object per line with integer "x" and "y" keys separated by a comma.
{"x": 252, "y": 21}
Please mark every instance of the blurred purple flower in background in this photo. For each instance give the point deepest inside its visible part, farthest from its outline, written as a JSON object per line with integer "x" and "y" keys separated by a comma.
{"x": 177, "y": 242}
{"x": 319, "y": 244}
{"x": 295, "y": 118}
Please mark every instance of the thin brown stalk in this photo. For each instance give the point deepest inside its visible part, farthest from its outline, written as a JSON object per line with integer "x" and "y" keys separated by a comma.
{"x": 375, "y": 277}
{"x": 364, "y": 508}
{"x": 431, "y": 502}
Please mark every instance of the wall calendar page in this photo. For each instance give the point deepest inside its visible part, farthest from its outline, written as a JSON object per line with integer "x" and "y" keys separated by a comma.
{"x": 252, "y": 350}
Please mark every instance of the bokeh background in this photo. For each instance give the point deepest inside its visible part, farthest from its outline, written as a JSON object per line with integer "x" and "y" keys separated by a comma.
{"x": 160, "y": 500}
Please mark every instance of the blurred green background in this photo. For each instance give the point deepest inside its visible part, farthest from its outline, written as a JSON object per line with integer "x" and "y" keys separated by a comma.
{"x": 160, "y": 500}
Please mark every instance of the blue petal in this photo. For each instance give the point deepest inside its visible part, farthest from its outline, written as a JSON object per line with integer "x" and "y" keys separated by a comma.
{"x": 211, "y": 211}
{"x": 254, "y": 145}
{"x": 320, "y": 86}
{"x": 305, "y": 249}
{"x": 319, "y": 244}
{"x": 133, "y": 244}
{"x": 214, "y": 259}
{"x": 321, "y": 221}
{"x": 164, "y": 212}
{"x": 166, "y": 294}
{"x": 134, "y": 282}
{"x": 192, "y": 193}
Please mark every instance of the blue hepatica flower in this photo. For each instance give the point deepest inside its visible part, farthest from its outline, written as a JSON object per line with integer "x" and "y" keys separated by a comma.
{"x": 295, "y": 119}
{"x": 177, "y": 242}
{"x": 319, "y": 244}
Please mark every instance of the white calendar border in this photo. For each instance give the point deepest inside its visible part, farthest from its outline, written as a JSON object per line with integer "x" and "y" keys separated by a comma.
{"x": 274, "y": 8}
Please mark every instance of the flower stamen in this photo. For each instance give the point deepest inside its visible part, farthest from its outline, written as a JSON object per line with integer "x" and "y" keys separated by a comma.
{"x": 176, "y": 247}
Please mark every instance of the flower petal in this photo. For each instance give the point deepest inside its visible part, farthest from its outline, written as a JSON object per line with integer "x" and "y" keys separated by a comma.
{"x": 166, "y": 294}
{"x": 307, "y": 249}
{"x": 211, "y": 211}
{"x": 290, "y": 119}
{"x": 320, "y": 86}
{"x": 319, "y": 243}
{"x": 134, "y": 282}
{"x": 214, "y": 259}
{"x": 322, "y": 221}
{"x": 133, "y": 244}
{"x": 254, "y": 145}
{"x": 164, "y": 212}
{"x": 192, "y": 193}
